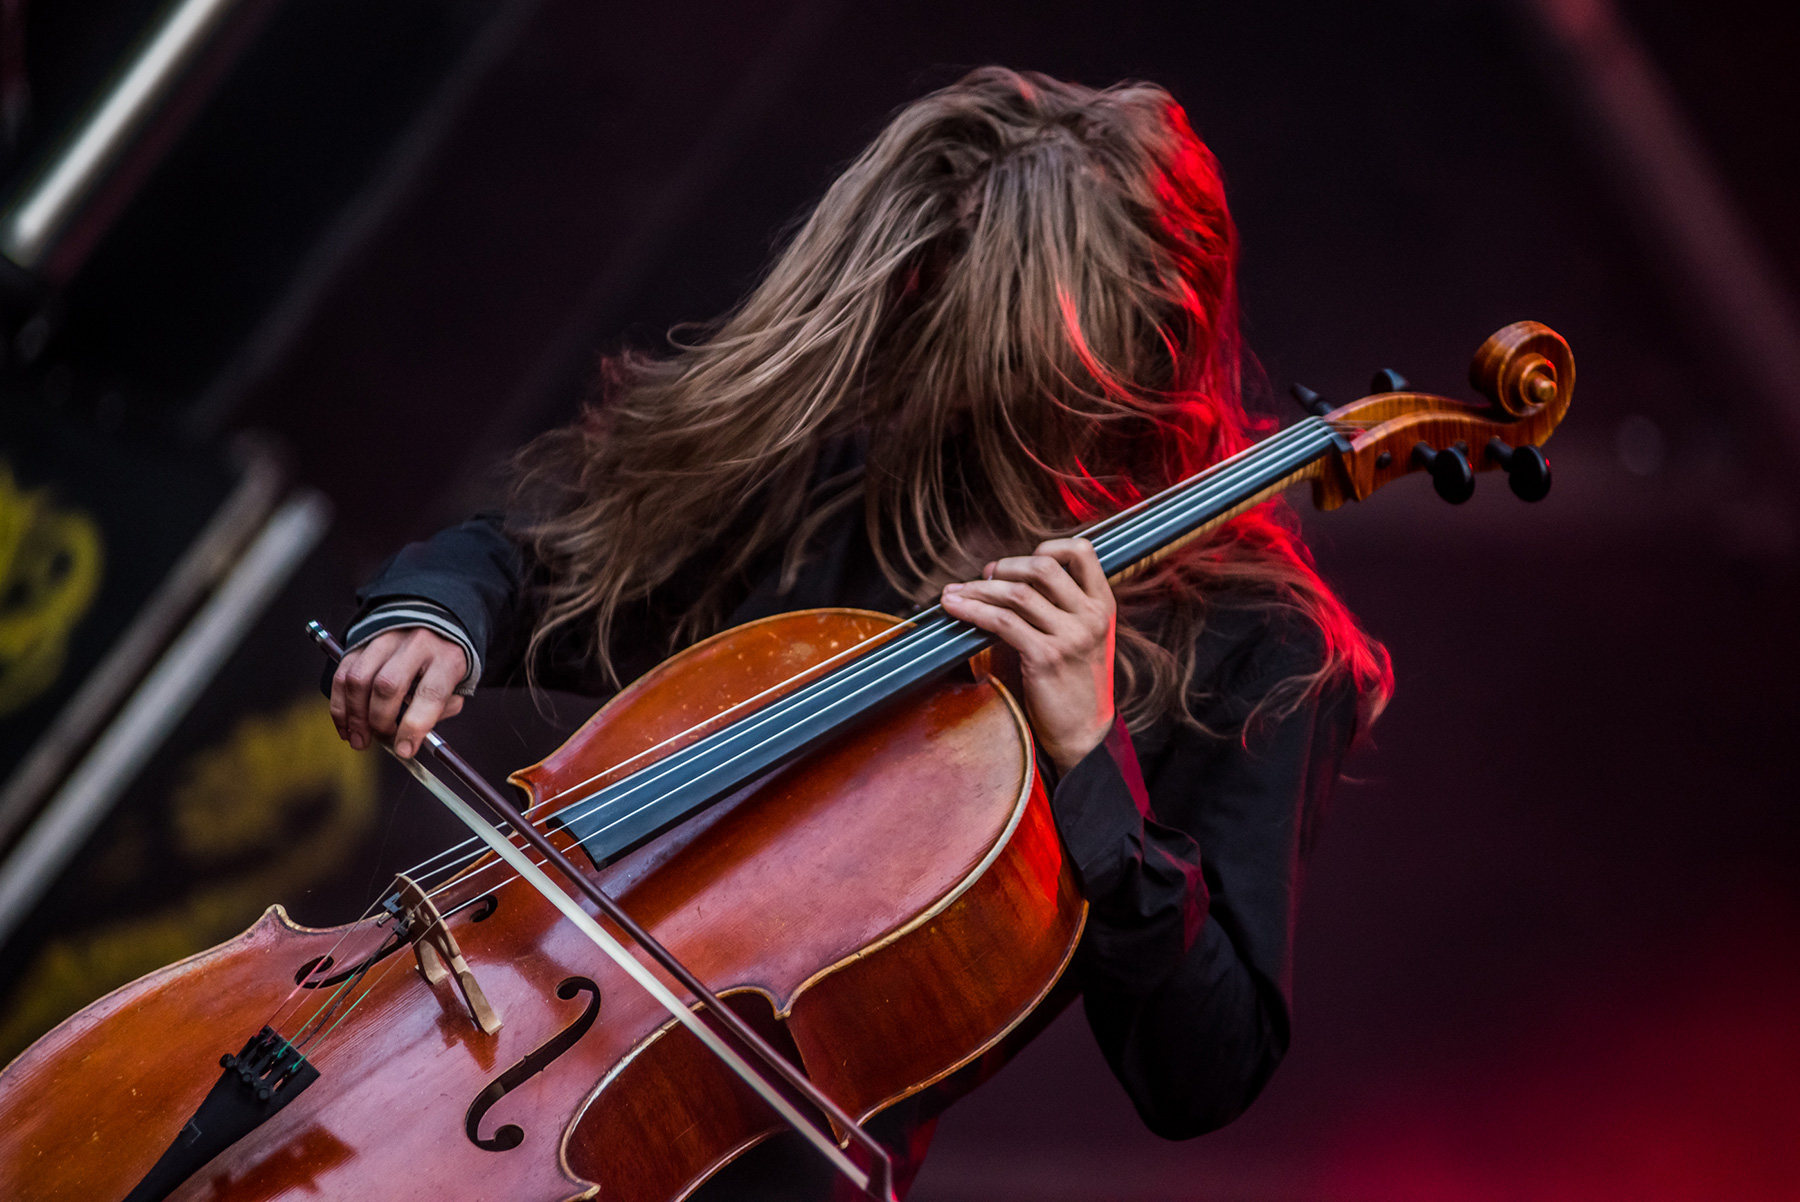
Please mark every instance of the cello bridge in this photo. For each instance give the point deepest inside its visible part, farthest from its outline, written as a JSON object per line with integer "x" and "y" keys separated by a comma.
{"x": 438, "y": 954}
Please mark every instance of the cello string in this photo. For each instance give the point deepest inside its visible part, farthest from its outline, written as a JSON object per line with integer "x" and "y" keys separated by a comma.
{"x": 1170, "y": 508}
{"x": 906, "y": 641}
{"x": 1269, "y": 461}
{"x": 321, "y": 1039}
{"x": 919, "y": 620}
{"x": 862, "y": 662}
{"x": 1253, "y": 462}
{"x": 351, "y": 979}
{"x": 739, "y": 755}
{"x": 325, "y": 963}
{"x": 874, "y": 669}
{"x": 323, "y": 967}
{"x": 308, "y": 1030}
{"x": 424, "y": 866}
{"x": 924, "y": 640}
{"x": 328, "y": 961}
{"x": 821, "y": 668}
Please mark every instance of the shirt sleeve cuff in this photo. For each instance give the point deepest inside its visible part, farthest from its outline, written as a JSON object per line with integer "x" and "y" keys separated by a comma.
{"x": 1100, "y": 806}
{"x": 416, "y": 612}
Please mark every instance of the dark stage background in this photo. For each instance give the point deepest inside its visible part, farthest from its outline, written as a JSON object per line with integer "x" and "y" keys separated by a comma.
{"x": 1550, "y": 945}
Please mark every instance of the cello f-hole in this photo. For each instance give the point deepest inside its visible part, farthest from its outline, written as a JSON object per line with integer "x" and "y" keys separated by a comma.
{"x": 510, "y": 1136}
{"x": 316, "y": 964}
{"x": 326, "y": 963}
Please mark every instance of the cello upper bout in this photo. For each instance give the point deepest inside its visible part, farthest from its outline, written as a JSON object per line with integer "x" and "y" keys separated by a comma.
{"x": 689, "y": 695}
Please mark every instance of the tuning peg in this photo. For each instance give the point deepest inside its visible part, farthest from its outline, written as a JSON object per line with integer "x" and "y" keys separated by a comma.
{"x": 1527, "y": 471}
{"x": 1450, "y": 472}
{"x": 1387, "y": 380}
{"x": 1309, "y": 400}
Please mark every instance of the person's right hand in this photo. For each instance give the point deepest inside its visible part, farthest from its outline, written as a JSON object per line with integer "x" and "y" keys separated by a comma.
{"x": 371, "y": 685}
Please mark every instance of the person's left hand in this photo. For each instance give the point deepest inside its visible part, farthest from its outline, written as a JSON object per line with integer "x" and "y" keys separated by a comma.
{"x": 1055, "y": 608}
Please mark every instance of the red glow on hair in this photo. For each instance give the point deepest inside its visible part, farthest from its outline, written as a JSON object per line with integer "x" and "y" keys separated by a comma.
{"x": 1087, "y": 498}
{"x": 1199, "y": 416}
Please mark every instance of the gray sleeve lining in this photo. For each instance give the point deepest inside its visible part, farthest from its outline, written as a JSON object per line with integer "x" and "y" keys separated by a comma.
{"x": 416, "y": 612}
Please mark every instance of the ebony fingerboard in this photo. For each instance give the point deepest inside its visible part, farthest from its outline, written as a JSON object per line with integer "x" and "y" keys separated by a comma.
{"x": 613, "y": 820}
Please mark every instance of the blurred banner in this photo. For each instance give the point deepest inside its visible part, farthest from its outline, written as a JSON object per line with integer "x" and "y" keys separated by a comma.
{"x": 240, "y": 795}
{"x": 250, "y": 799}
{"x": 104, "y": 552}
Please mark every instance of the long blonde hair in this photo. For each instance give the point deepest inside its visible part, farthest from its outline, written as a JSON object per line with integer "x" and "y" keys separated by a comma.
{"x": 1020, "y": 301}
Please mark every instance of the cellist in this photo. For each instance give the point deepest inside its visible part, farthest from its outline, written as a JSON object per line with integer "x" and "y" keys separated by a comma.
{"x": 1012, "y": 314}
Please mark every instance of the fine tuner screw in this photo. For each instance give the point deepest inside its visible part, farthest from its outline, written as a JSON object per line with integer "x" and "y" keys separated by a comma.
{"x": 1527, "y": 471}
{"x": 1450, "y": 472}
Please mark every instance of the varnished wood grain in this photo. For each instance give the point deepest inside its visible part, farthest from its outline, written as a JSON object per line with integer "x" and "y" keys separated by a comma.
{"x": 913, "y": 848}
{"x": 886, "y": 908}
{"x": 1525, "y": 371}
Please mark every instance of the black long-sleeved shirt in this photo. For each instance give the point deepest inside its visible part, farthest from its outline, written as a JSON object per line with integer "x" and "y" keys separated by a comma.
{"x": 1188, "y": 846}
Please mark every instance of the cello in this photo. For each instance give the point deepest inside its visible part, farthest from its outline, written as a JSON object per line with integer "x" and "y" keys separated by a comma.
{"x": 817, "y": 842}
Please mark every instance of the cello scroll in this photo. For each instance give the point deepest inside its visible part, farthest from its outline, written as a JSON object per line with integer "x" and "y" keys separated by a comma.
{"x": 1527, "y": 374}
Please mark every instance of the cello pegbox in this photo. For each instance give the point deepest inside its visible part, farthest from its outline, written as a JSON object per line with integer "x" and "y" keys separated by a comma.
{"x": 1526, "y": 376}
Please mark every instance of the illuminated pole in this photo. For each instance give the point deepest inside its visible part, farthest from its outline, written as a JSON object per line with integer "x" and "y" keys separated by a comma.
{"x": 31, "y": 222}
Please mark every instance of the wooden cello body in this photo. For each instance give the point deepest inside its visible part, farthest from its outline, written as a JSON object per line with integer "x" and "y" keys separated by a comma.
{"x": 884, "y": 910}
{"x": 882, "y": 907}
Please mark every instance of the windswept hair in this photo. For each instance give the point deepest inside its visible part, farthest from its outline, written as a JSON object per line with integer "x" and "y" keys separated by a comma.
{"x": 1020, "y": 301}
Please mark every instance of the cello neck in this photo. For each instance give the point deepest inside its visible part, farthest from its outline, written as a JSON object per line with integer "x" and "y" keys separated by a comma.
{"x": 1133, "y": 539}
{"x": 612, "y": 820}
